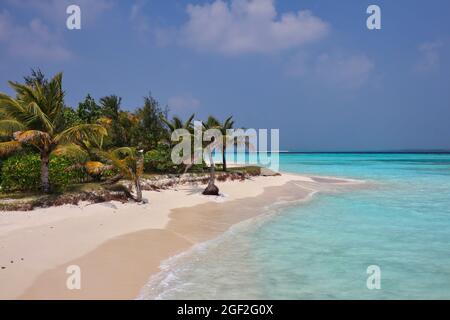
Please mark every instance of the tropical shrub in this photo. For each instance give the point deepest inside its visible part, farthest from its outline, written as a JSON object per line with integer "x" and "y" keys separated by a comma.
{"x": 159, "y": 160}
{"x": 21, "y": 172}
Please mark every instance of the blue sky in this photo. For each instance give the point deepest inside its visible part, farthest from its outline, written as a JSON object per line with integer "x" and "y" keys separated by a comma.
{"x": 309, "y": 67}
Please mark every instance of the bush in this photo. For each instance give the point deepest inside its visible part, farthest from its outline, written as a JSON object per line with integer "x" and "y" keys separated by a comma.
{"x": 59, "y": 177}
{"x": 159, "y": 160}
{"x": 22, "y": 172}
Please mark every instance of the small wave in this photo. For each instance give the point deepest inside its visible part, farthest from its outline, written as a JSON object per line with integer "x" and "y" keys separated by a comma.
{"x": 169, "y": 280}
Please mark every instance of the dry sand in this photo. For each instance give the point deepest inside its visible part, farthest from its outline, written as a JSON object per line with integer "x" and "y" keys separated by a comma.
{"x": 119, "y": 246}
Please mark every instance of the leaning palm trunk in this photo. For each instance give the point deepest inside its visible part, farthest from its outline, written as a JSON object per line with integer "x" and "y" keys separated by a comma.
{"x": 138, "y": 174}
{"x": 130, "y": 163}
{"x": 189, "y": 165}
{"x": 114, "y": 179}
{"x": 211, "y": 188}
{"x": 137, "y": 186}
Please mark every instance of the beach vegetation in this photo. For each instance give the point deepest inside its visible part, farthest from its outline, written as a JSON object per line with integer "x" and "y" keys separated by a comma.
{"x": 158, "y": 160}
{"x": 130, "y": 164}
{"x": 211, "y": 189}
{"x": 34, "y": 117}
{"x": 49, "y": 147}
{"x": 224, "y": 128}
{"x": 21, "y": 172}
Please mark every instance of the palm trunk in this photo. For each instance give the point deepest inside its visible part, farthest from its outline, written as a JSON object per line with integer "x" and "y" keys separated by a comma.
{"x": 45, "y": 159}
{"x": 224, "y": 158}
{"x": 190, "y": 164}
{"x": 113, "y": 180}
{"x": 137, "y": 185}
{"x": 211, "y": 188}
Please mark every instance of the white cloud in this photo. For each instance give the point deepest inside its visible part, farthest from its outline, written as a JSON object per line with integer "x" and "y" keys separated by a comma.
{"x": 39, "y": 40}
{"x": 351, "y": 71}
{"x": 5, "y": 25}
{"x": 142, "y": 24}
{"x": 430, "y": 56}
{"x": 33, "y": 40}
{"x": 183, "y": 103}
{"x": 243, "y": 26}
{"x": 138, "y": 20}
{"x": 340, "y": 70}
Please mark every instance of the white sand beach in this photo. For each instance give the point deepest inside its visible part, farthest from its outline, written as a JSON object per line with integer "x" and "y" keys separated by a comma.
{"x": 119, "y": 246}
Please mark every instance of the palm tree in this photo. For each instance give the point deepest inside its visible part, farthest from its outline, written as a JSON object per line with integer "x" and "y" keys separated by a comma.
{"x": 110, "y": 109}
{"x": 130, "y": 163}
{"x": 175, "y": 124}
{"x": 34, "y": 118}
{"x": 211, "y": 188}
{"x": 223, "y": 127}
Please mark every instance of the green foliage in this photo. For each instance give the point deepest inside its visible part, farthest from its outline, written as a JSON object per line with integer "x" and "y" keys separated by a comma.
{"x": 111, "y": 106}
{"x": 117, "y": 134}
{"x": 37, "y": 120}
{"x": 21, "y": 172}
{"x": 37, "y": 117}
{"x": 37, "y": 76}
{"x": 88, "y": 111}
{"x": 159, "y": 160}
{"x": 150, "y": 129}
{"x": 60, "y": 177}
{"x": 68, "y": 118}
{"x": 143, "y": 128}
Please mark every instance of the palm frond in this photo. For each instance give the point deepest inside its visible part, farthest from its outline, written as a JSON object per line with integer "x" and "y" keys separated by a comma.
{"x": 35, "y": 114}
{"x": 124, "y": 159}
{"x": 188, "y": 123}
{"x": 7, "y": 148}
{"x": 96, "y": 167}
{"x": 71, "y": 150}
{"x": 11, "y": 108}
{"x": 124, "y": 152}
{"x": 37, "y": 138}
{"x": 9, "y": 126}
{"x": 228, "y": 124}
{"x": 82, "y": 132}
{"x": 168, "y": 123}
{"x": 104, "y": 121}
{"x": 177, "y": 122}
{"x": 25, "y": 110}
{"x": 38, "y": 104}
{"x": 24, "y": 92}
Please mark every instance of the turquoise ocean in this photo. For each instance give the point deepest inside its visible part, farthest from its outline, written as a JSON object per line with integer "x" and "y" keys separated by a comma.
{"x": 322, "y": 249}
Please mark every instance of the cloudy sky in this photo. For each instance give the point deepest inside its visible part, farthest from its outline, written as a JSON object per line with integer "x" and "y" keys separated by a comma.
{"x": 308, "y": 67}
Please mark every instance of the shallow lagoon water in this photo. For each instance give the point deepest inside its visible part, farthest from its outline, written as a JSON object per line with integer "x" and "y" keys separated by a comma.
{"x": 321, "y": 249}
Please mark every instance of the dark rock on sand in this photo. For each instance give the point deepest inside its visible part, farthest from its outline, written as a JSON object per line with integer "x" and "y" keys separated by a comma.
{"x": 211, "y": 190}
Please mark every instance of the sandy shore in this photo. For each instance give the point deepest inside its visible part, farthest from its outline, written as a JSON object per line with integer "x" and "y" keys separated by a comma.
{"x": 119, "y": 246}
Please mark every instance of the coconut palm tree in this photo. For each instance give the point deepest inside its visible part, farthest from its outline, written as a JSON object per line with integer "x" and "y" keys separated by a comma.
{"x": 223, "y": 127}
{"x": 130, "y": 163}
{"x": 175, "y": 124}
{"x": 33, "y": 118}
{"x": 211, "y": 188}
